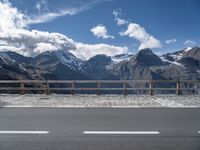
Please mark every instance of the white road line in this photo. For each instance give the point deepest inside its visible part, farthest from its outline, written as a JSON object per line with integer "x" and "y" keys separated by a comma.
{"x": 184, "y": 106}
{"x": 24, "y": 132}
{"x": 42, "y": 106}
{"x": 199, "y": 132}
{"x": 114, "y": 107}
{"x": 121, "y": 132}
{"x": 18, "y": 106}
{"x": 126, "y": 106}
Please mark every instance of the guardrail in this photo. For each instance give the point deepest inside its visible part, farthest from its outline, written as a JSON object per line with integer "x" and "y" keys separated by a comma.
{"x": 98, "y": 86}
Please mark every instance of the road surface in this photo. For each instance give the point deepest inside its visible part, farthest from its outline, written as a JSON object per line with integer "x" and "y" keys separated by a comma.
{"x": 99, "y": 129}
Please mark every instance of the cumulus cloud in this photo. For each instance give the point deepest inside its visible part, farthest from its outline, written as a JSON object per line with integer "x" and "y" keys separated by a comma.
{"x": 33, "y": 42}
{"x": 14, "y": 36}
{"x": 189, "y": 43}
{"x": 117, "y": 14}
{"x": 138, "y": 33}
{"x": 101, "y": 31}
{"x": 170, "y": 41}
{"x": 10, "y": 17}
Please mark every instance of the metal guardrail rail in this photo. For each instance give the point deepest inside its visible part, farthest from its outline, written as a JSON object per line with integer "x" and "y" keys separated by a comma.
{"x": 150, "y": 86}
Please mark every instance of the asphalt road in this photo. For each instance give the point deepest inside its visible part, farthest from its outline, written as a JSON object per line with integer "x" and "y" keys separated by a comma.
{"x": 99, "y": 129}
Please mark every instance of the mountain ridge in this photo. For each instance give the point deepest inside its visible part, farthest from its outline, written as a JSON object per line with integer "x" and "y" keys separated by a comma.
{"x": 63, "y": 65}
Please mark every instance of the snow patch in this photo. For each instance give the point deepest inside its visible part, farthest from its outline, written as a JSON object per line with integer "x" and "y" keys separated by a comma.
{"x": 69, "y": 60}
{"x": 188, "y": 49}
{"x": 177, "y": 57}
{"x": 171, "y": 62}
{"x": 198, "y": 70}
{"x": 120, "y": 58}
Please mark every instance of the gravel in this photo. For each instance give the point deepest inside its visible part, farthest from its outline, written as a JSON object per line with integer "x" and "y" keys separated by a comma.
{"x": 8, "y": 100}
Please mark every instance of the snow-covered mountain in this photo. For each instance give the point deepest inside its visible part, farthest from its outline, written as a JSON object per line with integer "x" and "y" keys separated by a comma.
{"x": 177, "y": 56}
{"x": 47, "y": 65}
{"x": 64, "y": 65}
{"x": 139, "y": 66}
{"x": 189, "y": 57}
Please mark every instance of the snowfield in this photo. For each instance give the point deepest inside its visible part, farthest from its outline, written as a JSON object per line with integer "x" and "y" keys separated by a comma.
{"x": 7, "y": 100}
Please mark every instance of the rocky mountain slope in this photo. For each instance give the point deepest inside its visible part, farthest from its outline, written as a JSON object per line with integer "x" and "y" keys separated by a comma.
{"x": 49, "y": 65}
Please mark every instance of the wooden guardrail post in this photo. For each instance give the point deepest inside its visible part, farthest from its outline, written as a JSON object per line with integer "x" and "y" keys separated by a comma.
{"x": 178, "y": 85}
{"x": 151, "y": 88}
{"x": 98, "y": 88}
{"x": 73, "y": 88}
{"x": 22, "y": 87}
{"x": 47, "y": 88}
{"x": 124, "y": 87}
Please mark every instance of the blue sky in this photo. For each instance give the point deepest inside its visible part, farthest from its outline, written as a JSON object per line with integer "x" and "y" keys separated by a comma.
{"x": 173, "y": 23}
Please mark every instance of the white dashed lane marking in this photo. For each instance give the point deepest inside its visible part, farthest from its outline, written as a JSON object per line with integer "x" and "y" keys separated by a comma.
{"x": 121, "y": 132}
{"x": 24, "y": 132}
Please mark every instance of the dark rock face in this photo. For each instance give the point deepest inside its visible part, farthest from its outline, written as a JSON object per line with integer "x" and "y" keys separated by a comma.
{"x": 146, "y": 57}
{"x": 96, "y": 67}
{"x": 191, "y": 58}
{"x": 193, "y": 53}
{"x": 13, "y": 66}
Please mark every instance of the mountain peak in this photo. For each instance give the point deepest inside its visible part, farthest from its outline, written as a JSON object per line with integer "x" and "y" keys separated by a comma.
{"x": 194, "y": 53}
{"x": 146, "y": 57}
{"x": 146, "y": 51}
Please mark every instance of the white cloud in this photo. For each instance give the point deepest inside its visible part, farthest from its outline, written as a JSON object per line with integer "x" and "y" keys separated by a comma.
{"x": 138, "y": 33}
{"x": 45, "y": 15}
{"x": 121, "y": 21}
{"x": 15, "y": 37}
{"x": 86, "y": 51}
{"x": 117, "y": 14}
{"x": 41, "y": 47}
{"x": 42, "y": 5}
{"x": 101, "y": 31}
{"x": 170, "y": 41}
{"x": 10, "y": 17}
{"x": 31, "y": 43}
{"x": 189, "y": 43}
